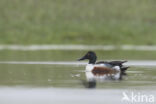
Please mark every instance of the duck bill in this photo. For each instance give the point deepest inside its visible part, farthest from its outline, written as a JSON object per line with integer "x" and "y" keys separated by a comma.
{"x": 83, "y": 58}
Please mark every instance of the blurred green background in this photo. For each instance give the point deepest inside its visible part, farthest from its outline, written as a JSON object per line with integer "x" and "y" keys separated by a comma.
{"x": 78, "y": 22}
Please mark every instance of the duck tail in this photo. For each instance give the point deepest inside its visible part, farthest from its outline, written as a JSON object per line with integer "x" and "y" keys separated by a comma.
{"x": 124, "y": 68}
{"x": 121, "y": 65}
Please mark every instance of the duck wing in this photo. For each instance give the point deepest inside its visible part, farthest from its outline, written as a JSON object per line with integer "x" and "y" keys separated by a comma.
{"x": 112, "y": 63}
{"x": 115, "y": 63}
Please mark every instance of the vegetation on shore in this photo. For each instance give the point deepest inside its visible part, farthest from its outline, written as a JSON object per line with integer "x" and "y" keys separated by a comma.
{"x": 78, "y": 22}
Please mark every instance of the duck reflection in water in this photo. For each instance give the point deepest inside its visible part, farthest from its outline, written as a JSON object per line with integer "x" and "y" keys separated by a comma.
{"x": 102, "y": 70}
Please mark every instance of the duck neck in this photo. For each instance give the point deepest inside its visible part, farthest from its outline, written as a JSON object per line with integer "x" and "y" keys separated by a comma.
{"x": 92, "y": 61}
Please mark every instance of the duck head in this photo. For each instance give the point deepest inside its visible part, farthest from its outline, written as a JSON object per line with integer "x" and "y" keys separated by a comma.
{"x": 91, "y": 56}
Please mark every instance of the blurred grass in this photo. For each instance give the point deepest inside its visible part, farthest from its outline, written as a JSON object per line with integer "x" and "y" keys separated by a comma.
{"x": 78, "y": 22}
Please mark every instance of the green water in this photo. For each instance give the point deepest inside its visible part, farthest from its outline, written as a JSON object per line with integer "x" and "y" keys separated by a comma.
{"x": 70, "y": 76}
{"x": 44, "y": 83}
{"x": 71, "y": 55}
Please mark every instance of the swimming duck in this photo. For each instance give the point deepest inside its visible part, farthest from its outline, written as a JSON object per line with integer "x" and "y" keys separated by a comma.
{"x": 103, "y": 67}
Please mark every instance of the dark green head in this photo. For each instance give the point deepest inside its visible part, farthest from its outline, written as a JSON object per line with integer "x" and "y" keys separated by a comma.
{"x": 91, "y": 56}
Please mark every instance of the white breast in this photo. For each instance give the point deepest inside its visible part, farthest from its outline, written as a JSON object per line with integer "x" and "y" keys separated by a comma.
{"x": 89, "y": 67}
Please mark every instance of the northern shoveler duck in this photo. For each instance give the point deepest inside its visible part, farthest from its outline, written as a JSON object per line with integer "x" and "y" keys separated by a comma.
{"x": 103, "y": 67}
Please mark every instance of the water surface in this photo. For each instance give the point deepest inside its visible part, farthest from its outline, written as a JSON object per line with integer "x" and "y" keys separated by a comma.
{"x": 41, "y": 83}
